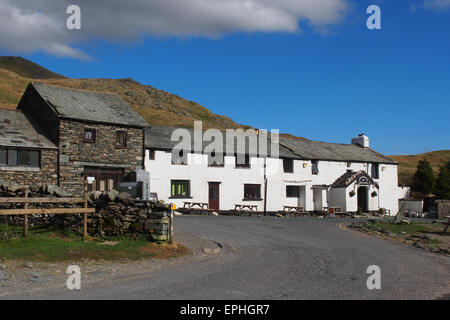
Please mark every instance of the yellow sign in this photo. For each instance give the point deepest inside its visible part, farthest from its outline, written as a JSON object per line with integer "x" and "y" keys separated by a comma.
{"x": 173, "y": 207}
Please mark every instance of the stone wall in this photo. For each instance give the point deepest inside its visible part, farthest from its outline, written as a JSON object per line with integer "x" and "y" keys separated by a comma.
{"x": 120, "y": 215}
{"x": 117, "y": 214}
{"x": 443, "y": 208}
{"x": 75, "y": 154}
{"x": 47, "y": 173}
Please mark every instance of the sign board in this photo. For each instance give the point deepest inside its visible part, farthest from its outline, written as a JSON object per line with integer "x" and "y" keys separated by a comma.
{"x": 153, "y": 197}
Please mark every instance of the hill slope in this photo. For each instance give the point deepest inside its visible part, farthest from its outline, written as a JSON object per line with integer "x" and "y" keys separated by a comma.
{"x": 156, "y": 106}
{"x": 408, "y": 164}
{"x": 27, "y": 69}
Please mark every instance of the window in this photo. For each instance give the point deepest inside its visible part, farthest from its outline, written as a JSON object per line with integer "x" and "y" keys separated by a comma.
{"x": 243, "y": 161}
{"x": 151, "y": 154}
{"x": 288, "y": 165}
{"x": 89, "y": 135}
{"x": 3, "y": 157}
{"x": 20, "y": 158}
{"x": 252, "y": 192}
{"x": 121, "y": 139}
{"x": 215, "y": 160}
{"x": 315, "y": 167}
{"x": 180, "y": 158}
{"x": 375, "y": 171}
{"x": 180, "y": 189}
{"x": 292, "y": 192}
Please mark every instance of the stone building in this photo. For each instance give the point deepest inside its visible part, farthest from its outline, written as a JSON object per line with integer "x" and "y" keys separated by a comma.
{"x": 27, "y": 156}
{"x": 99, "y": 137}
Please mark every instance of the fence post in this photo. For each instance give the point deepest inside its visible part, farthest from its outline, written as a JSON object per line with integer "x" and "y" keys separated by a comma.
{"x": 25, "y": 217}
{"x": 85, "y": 233}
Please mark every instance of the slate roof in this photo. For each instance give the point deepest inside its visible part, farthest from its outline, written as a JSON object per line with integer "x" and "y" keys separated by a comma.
{"x": 349, "y": 177}
{"x": 159, "y": 137}
{"x": 16, "y": 130}
{"x": 316, "y": 150}
{"x": 89, "y": 106}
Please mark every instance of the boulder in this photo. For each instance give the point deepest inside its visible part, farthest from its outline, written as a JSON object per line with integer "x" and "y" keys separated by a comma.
{"x": 112, "y": 194}
{"x": 124, "y": 196}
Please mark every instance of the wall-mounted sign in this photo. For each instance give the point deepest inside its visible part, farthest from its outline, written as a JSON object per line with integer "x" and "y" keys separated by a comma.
{"x": 363, "y": 180}
{"x": 90, "y": 180}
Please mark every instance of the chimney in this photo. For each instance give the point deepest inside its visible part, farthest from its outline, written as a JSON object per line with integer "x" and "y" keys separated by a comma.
{"x": 361, "y": 140}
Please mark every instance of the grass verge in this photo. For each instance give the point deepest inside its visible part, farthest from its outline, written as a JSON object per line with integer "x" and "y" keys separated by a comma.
{"x": 53, "y": 245}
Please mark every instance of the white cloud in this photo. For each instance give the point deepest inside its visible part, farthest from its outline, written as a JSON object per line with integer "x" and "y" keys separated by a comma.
{"x": 437, "y": 5}
{"x": 30, "y": 25}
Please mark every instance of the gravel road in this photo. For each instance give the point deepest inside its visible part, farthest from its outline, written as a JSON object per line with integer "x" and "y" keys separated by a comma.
{"x": 273, "y": 258}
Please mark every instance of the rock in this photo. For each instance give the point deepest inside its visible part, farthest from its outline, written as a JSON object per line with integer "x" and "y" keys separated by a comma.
{"x": 96, "y": 195}
{"x": 39, "y": 280}
{"x": 212, "y": 251}
{"x": 112, "y": 194}
{"x": 61, "y": 193}
{"x": 28, "y": 264}
{"x": 13, "y": 187}
{"x": 51, "y": 188}
{"x": 124, "y": 196}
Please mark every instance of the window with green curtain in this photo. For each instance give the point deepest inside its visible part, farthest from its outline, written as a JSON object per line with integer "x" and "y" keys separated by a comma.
{"x": 180, "y": 188}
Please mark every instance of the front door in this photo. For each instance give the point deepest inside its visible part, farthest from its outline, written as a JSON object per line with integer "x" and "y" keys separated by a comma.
{"x": 214, "y": 195}
{"x": 362, "y": 198}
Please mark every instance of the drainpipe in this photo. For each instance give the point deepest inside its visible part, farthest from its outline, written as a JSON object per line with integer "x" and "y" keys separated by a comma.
{"x": 265, "y": 187}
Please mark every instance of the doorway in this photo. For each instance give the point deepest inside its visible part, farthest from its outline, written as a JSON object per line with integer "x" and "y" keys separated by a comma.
{"x": 100, "y": 179}
{"x": 214, "y": 195}
{"x": 362, "y": 198}
{"x": 318, "y": 199}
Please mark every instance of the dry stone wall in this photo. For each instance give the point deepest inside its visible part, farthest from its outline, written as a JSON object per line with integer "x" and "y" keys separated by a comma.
{"x": 117, "y": 214}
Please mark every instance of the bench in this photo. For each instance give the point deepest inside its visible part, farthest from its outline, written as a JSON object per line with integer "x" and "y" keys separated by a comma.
{"x": 241, "y": 208}
{"x": 293, "y": 209}
{"x": 198, "y": 206}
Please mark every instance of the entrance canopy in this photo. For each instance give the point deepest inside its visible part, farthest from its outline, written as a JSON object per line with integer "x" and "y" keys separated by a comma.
{"x": 360, "y": 177}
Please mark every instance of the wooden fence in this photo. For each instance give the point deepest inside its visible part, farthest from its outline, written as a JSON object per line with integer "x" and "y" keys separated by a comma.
{"x": 25, "y": 211}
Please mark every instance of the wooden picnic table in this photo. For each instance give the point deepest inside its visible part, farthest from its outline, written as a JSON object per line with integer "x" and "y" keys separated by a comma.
{"x": 198, "y": 206}
{"x": 242, "y": 207}
{"x": 294, "y": 209}
{"x": 193, "y": 205}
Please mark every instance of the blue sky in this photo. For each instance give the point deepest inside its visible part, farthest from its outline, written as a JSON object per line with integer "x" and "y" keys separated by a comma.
{"x": 326, "y": 82}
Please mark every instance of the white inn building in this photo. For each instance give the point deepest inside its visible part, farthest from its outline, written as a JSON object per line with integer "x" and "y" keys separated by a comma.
{"x": 309, "y": 174}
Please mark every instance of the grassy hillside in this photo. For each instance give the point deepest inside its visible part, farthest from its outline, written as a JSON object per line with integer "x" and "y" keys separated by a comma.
{"x": 156, "y": 106}
{"x": 408, "y": 164}
{"x": 27, "y": 69}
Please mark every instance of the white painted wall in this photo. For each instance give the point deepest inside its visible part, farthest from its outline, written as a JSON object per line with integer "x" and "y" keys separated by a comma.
{"x": 412, "y": 205}
{"x": 233, "y": 179}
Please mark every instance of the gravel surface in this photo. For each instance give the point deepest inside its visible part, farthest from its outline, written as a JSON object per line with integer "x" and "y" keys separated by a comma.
{"x": 260, "y": 258}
